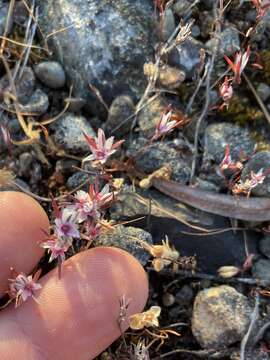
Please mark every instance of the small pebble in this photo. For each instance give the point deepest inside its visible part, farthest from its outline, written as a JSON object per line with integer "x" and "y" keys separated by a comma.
{"x": 186, "y": 56}
{"x": 158, "y": 155}
{"x": 68, "y": 133}
{"x": 261, "y": 269}
{"x": 75, "y": 103}
{"x": 76, "y": 179}
{"x": 168, "y": 299}
{"x": 3, "y": 16}
{"x": 229, "y": 42}
{"x": 20, "y": 12}
{"x": 25, "y": 163}
{"x": 260, "y": 160}
{"x": 120, "y": 112}
{"x": 218, "y": 135}
{"x": 150, "y": 115}
{"x": 195, "y": 31}
{"x": 125, "y": 238}
{"x": 37, "y": 104}
{"x": 184, "y": 296}
{"x": 25, "y": 85}
{"x": 168, "y": 24}
{"x": 221, "y": 317}
{"x": 65, "y": 166}
{"x": 264, "y": 246}
{"x": 168, "y": 76}
{"x": 263, "y": 91}
{"x": 181, "y": 6}
{"x": 51, "y": 74}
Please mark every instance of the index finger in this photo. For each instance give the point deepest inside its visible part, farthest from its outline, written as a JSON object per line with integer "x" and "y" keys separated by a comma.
{"x": 21, "y": 222}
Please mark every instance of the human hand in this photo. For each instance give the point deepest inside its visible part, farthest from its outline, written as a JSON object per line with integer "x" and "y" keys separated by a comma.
{"x": 76, "y": 316}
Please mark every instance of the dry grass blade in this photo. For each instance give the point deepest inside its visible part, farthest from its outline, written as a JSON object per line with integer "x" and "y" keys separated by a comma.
{"x": 9, "y": 15}
{"x": 258, "y": 99}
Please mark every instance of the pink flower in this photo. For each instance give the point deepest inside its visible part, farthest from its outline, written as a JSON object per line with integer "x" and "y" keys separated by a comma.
{"x": 92, "y": 230}
{"x": 256, "y": 178}
{"x": 249, "y": 184}
{"x": 57, "y": 247}
{"x": 226, "y": 91}
{"x": 89, "y": 204}
{"x": 23, "y": 287}
{"x": 239, "y": 63}
{"x": 83, "y": 206}
{"x": 165, "y": 125}
{"x": 65, "y": 224}
{"x": 261, "y": 7}
{"x": 101, "y": 148}
{"x": 227, "y": 162}
{"x": 101, "y": 198}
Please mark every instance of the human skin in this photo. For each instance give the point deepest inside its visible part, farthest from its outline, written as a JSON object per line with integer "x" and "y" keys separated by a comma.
{"x": 75, "y": 317}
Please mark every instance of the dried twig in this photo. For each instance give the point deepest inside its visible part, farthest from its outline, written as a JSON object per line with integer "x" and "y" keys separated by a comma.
{"x": 199, "y": 85}
{"x": 202, "y": 354}
{"x": 260, "y": 334}
{"x": 210, "y": 66}
{"x": 254, "y": 318}
{"x": 8, "y": 18}
{"x": 200, "y": 275}
{"x": 257, "y": 97}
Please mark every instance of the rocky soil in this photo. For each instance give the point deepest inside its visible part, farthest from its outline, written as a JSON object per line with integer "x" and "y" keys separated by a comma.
{"x": 120, "y": 66}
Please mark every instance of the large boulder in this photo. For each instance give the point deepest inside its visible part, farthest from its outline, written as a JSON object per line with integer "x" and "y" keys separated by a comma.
{"x": 101, "y": 42}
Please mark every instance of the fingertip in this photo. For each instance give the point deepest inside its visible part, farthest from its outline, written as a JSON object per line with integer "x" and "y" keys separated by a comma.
{"x": 82, "y": 308}
{"x": 21, "y": 222}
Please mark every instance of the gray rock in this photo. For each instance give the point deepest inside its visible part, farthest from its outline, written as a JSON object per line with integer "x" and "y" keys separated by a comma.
{"x": 77, "y": 179}
{"x": 168, "y": 24}
{"x": 181, "y": 6}
{"x": 20, "y": 13}
{"x": 36, "y": 173}
{"x": 131, "y": 203}
{"x": 121, "y": 111}
{"x": 220, "y": 317}
{"x": 11, "y": 187}
{"x": 263, "y": 91}
{"x": 266, "y": 19}
{"x": 209, "y": 3}
{"x": 206, "y": 23}
{"x": 51, "y": 74}
{"x": 3, "y": 17}
{"x": 25, "y": 164}
{"x": 75, "y": 103}
{"x": 195, "y": 31}
{"x": 25, "y": 85}
{"x": 65, "y": 166}
{"x": 207, "y": 185}
{"x": 150, "y": 115}
{"x": 251, "y": 15}
{"x": 261, "y": 269}
{"x": 125, "y": 238}
{"x": 69, "y": 133}
{"x": 106, "y": 44}
{"x": 168, "y": 76}
{"x": 217, "y": 136}
{"x": 185, "y": 295}
{"x": 264, "y": 246}
{"x": 159, "y": 154}
{"x": 260, "y": 160}
{"x": 37, "y": 104}
{"x": 186, "y": 56}
{"x": 168, "y": 299}
{"x": 229, "y": 42}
